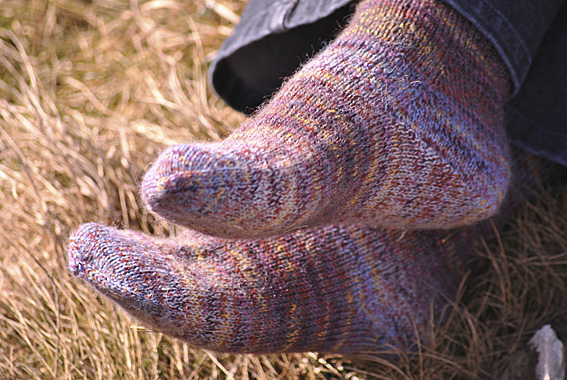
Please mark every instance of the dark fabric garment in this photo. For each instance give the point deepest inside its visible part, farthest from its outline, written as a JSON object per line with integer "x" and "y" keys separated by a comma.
{"x": 271, "y": 41}
{"x": 515, "y": 27}
{"x": 275, "y": 36}
{"x": 537, "y": 116}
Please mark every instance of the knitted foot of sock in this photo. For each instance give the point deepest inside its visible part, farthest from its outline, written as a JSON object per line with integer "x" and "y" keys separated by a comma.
{"x": 397, "y": 123}
{"x": 334, "y": 289}
{"x": 340, "y": 289}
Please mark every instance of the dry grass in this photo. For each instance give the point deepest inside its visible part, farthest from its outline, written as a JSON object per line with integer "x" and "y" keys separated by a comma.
{"x": 90, "y": 92}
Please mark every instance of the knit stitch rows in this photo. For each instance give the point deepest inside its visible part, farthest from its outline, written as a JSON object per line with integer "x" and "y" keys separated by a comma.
{"x": 334, "y": 289}
{"x": 397, "y": 123}
{"x": 331, "y": 205}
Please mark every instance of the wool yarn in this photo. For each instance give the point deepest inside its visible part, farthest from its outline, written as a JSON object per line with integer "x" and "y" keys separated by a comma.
{"x": 397, "y": 123}
{"x": 339, "y": 289}
{"x": 344, "y": 212}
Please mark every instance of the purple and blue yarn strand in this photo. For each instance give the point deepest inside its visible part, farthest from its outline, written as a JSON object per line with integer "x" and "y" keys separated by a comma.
{"x": 398, "y": 123}
{"x": 345, "y": 210}
{"x": 335, "y": 289}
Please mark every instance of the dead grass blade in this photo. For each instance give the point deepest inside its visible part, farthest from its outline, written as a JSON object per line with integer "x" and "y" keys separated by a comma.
{"x": 90, "y": 92}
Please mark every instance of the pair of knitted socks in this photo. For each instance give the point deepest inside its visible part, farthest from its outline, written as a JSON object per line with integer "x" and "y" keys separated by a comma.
{"x": 330, "y": 208}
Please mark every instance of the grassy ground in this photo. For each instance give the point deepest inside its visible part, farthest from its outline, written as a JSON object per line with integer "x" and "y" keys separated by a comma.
{"x": 90, "y": 92}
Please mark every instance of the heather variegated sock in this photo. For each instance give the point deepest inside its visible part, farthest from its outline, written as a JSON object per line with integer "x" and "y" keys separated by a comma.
{"x": 334, "y": 289}
{"x": 397, "y": 123}
{"x": 341, "y": 289}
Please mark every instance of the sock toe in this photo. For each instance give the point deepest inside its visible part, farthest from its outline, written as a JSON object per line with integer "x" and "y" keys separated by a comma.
{"x": 397, "y": 123}
{"x": 87, "y": 246}
{"x": 153, "y": 279}
{"x": 230, "y": 191}
{"x": 174, "y": 178}
{"x": 335, "y": 289}
{"x": 188, "y": 183}
{"x": 114, "y": 261}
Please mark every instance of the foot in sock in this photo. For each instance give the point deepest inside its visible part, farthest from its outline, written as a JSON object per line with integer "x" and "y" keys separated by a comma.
{"x": 397, "y": 123}
{"x": 340, "y": 289}
{"x": 333, "y": 289}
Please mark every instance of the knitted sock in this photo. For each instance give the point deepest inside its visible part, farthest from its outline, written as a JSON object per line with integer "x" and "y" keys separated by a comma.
{"x": 340, "y": 289}
{"x": 334, "y": 289}
{"x": 397, "y": 123}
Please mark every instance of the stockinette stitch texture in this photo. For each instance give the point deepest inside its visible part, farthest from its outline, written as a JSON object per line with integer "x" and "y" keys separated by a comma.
{"x": 340, "y": 289}
{"x": 397, "y": 123}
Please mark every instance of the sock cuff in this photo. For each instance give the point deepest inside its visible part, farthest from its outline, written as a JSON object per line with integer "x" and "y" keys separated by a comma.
{"x": 436, "y": 35}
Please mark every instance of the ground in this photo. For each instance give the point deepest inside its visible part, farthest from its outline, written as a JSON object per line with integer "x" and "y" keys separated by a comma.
{"x": 90, "y": 92}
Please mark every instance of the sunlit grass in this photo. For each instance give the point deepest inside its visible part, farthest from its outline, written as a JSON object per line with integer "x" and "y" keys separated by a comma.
{"x": 90, "y": 92}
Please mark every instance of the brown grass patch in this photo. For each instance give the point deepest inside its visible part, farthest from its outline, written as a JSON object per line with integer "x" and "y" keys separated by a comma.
{"x": 90, "y": 92}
